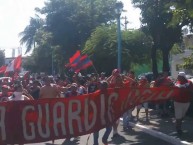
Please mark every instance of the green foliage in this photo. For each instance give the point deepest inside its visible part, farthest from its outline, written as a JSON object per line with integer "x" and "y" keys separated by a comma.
{"x": 2, "y": 57}
{"x": 188, "y": 63}
{"x": 176, "y": 49}
{"x": 156, "y": 17}
{"x": 182, "y": 13}
{"x": 27, "y": 36}
{"x": 41, "y": 58}
{"x": 72, "y": 21}
{"x": 102, "y": 47}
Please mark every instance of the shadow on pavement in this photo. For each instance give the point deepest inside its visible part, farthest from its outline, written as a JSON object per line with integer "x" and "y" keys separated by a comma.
{"x": 119, "y": 140}
{"x": 73, "y": 141}
{"x": 143, "y": 139}
{"x": 166, "y": 125}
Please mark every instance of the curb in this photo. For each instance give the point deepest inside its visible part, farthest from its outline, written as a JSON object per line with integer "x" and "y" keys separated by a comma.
{"x": 158, "y": 134}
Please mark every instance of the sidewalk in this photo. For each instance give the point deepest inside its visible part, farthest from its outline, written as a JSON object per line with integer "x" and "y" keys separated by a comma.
{"x": 164, "y": 128}
{"x": 159, "y": 131}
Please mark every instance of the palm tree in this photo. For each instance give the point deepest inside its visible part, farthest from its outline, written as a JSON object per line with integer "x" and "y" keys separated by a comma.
{"x": 27, "y": 36}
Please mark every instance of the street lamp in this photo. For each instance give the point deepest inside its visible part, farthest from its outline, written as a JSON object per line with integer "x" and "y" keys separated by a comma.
{"x": 118, "y": 10}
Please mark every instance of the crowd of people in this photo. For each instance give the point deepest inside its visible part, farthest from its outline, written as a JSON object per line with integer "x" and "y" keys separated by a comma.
{"x": 54, "y": 87}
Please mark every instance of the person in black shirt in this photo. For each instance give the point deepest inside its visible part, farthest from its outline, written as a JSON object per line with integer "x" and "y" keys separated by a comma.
{"x": 35, "y": 90}
{"x": 93, "y": 85}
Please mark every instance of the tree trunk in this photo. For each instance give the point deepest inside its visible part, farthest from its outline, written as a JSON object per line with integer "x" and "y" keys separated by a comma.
{"x": 165, "y": 54}
{"x": 154, "y": 61}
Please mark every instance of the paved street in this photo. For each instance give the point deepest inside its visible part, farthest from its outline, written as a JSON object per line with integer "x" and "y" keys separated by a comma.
{"x": 135, "y": 136}
{"x": 132, "y": 137}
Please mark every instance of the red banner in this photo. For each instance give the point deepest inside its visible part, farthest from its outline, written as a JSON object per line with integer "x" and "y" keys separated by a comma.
{"x": 48, "y": 119}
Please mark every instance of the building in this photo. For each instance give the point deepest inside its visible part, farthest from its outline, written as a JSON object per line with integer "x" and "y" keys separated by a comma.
{"x": 10, "y": 59}
{"x": 177, "y": 59}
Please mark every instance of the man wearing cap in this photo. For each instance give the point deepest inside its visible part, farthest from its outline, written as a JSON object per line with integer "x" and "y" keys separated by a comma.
{"x": 72, "y": 91}
{"x": 182, "y": 101}
{"x": 102, "y": 77}
{"x": 163, "y": 81}
{"x": 143, "y": 83}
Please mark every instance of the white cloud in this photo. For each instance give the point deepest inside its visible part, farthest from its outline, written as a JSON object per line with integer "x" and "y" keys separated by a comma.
{"x": 132, "y": 14}
{"x": 14, "y": 16}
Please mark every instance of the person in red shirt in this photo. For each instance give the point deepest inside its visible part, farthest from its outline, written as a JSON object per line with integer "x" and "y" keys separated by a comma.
{"x": 163, "y": 81}
{"x": 116, "y": 80}
{"x": 182, "y": 101}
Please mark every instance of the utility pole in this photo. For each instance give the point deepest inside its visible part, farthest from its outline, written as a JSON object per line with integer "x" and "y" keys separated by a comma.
{"x": 126, "y": 22}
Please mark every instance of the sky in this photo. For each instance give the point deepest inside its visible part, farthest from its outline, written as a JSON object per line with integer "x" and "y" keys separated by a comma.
{"x": 15, "y": 16}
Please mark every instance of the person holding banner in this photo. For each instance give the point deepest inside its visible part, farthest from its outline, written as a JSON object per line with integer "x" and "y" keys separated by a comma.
{"x": 93, "y": 83}
{"x": 103, "y": 88}
{"x": 49, "y": 91}
{"x": 129, "y": 81}
{"x": 116, "y": 80}
{"x": 182, "y": 101}
{"x": 163, "y": 81}
{"x": 20, "y": 93}
{"x": 143, "y": 83}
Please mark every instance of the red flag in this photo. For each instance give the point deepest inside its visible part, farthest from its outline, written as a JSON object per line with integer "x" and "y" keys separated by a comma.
{"x": 2, "y": 69}
{"x": 14, "y": 65}
{"x": 75, "y": 58}
{"x": 84, "y": 63}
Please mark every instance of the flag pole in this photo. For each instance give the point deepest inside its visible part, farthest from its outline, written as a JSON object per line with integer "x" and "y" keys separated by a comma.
{"x": 94, "y": 69}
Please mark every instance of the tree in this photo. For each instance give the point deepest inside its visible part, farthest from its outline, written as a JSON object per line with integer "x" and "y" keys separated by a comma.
{"x": 102, "y": 48}
{"x": 2, "y": 57}
{"x": 27, "y": 36}
{"x": 182, "y": 13}
{"x": 156, "y": 16}
{"x": 72, "y": 21}
{"x": 41, "y": 58}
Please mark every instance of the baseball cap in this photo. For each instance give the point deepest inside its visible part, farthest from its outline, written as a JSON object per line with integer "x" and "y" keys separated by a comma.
{"x": 182, "y": 74}
{"x": 74, "y": 84}
{"x": 142, "y": 78}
